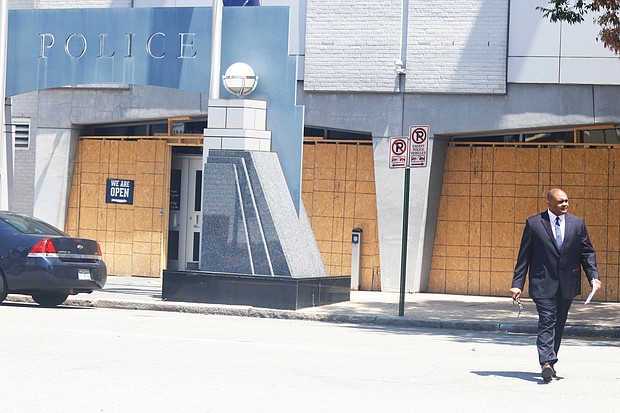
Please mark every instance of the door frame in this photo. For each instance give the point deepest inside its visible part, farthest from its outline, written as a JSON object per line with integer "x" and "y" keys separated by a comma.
{"x": 182, "y": 141}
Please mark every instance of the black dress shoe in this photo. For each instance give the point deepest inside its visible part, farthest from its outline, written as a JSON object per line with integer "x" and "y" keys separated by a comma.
{"x": 547, "y": 372}
{"x": 555, "y": 373}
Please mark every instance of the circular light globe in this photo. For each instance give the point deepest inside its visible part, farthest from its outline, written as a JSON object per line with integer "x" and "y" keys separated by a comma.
{"x": 240, "y": 79}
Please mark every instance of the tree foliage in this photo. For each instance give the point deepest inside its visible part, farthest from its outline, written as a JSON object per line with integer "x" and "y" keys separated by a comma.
{"x": 573, "y": 11}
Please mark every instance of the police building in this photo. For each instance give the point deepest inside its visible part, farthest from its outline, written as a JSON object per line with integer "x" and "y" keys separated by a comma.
{"x": 277, "y": 139}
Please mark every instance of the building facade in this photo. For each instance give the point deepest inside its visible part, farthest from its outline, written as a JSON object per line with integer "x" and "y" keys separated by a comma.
{"x": 493, "y": 81}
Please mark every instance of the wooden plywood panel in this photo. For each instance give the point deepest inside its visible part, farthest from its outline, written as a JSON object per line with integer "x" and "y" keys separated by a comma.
{"x": 456, "y": 281}
{"x": 457, "y": 208}
{"x": 596, "y": 161}
{"x": 527, "y": 159}
{"x": 323, "y": 185}
{"x": 504, "y": 159}
{"x": 573, "y": 161}
{"x": 459, "y": 159}
{"x": 142, "y": 161}
{"x": 506, "y": 192}
{"x": 323, "y": 204}
{"x": 485, "y": 280}
{"x": 473, "y": 281}
{"x": 339, "y": 207}
{"x": 437, "y": 281}
{"x": 340, "y": 180}
{"x": 322, "y": 227}
{"x": 500, "y": 283}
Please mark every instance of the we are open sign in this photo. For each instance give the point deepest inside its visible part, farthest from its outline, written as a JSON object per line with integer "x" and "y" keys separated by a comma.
{"x": 119, "y": 191}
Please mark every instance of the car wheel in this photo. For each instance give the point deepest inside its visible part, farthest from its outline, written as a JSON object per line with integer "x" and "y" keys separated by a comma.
{"x": 50, "y": 299}
{"x": 3, "y": 289}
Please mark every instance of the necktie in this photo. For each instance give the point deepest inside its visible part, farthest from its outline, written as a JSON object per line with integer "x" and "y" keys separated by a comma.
{"x": 558, "y": 233}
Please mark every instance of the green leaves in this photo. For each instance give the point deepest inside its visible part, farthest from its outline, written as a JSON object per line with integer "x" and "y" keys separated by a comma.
{"x": 565, "y": 10}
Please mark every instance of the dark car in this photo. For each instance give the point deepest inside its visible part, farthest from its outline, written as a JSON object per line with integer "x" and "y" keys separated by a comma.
{"x": 42, "y": 261}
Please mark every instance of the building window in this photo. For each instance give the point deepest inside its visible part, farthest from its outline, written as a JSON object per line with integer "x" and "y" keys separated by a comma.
{"x": 538, "y": 137}
{"x": 21, "y": 133}
{"x": 491, "y": 138}
{"x": 599, "y": 135}
{"x": 335, "y": 134}
{"x": 188, "y": 126}
{"x": 526, "y": 137}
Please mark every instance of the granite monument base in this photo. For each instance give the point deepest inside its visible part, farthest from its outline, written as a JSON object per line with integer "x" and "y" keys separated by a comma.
{"x": 282, "y": 293}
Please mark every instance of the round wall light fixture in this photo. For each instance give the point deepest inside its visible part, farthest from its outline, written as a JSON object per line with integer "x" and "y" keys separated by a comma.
{"x": 240, "y": 79}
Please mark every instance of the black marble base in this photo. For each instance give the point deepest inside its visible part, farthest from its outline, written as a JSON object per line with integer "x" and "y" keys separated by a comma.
{"x": 283, "y": 293}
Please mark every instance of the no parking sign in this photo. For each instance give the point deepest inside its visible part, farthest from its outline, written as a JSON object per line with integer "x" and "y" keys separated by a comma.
{"x": 410, "y": 151}
{"x": 398, "y": 152}
{"x": 418, "y": 151}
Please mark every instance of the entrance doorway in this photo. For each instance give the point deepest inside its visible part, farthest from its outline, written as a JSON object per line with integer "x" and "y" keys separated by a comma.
{"x": 185, "y": 212}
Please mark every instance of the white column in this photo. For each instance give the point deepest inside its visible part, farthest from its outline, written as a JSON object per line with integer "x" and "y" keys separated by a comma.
{"x": 6, "y": 144}
{"x": 216, "y": 49}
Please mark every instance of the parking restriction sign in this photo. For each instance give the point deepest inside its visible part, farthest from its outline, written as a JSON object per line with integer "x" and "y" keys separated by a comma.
{"x": 418, "y": 150}
{"x": 399, "y": 152}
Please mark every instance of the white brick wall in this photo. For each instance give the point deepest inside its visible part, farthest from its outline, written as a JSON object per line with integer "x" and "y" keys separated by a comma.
{"x": 352, "y": 45}
{"x": 24, "y": 106}
{"x": 453, "y": 46}
{"x": 457, "y": 46}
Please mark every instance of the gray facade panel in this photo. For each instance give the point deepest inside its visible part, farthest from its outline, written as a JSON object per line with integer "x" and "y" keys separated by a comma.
{"x": 523, "y": 107}
{"x": 606, "y": 103}
{"x": 66, "y": 107}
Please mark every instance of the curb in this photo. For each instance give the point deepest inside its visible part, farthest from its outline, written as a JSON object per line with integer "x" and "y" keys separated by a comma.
{"x": 337, "y": 318}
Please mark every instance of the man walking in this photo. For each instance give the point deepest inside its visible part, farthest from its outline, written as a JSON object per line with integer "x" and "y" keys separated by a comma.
{"x": 555, "y": 244}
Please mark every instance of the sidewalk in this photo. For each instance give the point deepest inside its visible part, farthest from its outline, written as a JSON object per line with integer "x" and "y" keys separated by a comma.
{"x": 376, "y": 308}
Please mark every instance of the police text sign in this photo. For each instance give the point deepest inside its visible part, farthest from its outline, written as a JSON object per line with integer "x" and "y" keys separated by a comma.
{"x": 418, "y": 148}
{"x": 119, "y": 191}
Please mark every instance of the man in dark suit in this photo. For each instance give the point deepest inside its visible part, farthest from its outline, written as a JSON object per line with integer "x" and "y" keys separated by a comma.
{"x": 554, "y": 246}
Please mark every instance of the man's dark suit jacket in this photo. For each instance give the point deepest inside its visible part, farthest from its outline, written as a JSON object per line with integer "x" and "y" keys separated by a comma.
{"x": 549, "y": 268}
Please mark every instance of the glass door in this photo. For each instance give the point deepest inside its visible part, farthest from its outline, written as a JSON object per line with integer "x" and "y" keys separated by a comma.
{"x": 185, "y": 212}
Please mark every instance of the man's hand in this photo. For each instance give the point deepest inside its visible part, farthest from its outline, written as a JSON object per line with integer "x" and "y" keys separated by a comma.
{"x": 596, "y": 284}
{"x": 515, "y": 292}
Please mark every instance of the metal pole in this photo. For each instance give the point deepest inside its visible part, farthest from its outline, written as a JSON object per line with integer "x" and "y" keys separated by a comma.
{"x": 216, "y": 49}
{"x": 6, "y": 147}
{"x": 403, "y": 254}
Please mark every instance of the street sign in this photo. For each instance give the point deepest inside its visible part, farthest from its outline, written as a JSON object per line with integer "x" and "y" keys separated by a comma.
{"x": 410, "y": 151}
{"x": 418, "y": 151}
{"x": 398, "y": 152}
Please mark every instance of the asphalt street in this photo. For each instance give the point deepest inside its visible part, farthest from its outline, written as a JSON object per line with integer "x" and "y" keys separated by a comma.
{"x": 85, "y": 359}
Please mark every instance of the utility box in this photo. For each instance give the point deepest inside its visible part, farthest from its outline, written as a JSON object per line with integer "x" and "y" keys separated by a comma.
{"x": 356, "y": 245}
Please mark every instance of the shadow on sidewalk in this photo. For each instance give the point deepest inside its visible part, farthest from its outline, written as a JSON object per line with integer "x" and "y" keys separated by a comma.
{"x": 132, "y": 291}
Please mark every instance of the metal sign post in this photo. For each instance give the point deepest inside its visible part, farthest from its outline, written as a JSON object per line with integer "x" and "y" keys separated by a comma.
{"x": 403, "y": 254}
{"x": 408, "y": 152}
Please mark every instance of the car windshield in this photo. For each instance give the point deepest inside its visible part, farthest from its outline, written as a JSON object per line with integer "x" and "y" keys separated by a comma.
{"x": 30, "y": 226}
